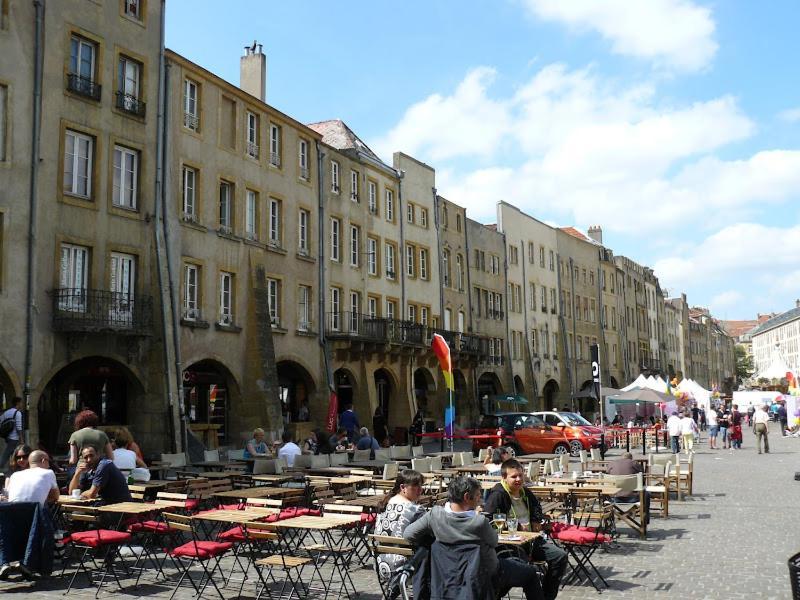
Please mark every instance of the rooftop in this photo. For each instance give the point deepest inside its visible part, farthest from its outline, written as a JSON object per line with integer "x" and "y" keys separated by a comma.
{"x": 781, "y": 319}
{"x": 337, "y": 134}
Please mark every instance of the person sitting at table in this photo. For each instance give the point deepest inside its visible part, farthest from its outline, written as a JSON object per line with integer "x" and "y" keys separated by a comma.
{"x": 494, "y": 458}
{"x": 511, "y": 498}
{"x": 458, "y": 522}
{"x": 625, "y": 465}
{"x": 339, "y": 442}
{"x": 256, "y": 446}
{"x": 289, "y": 450}
{"x": 126, "y": 460}
{"x": 36, "y": 484}
{"x": 19, "y": 460}
{"x": 398, "y": 509}
{"x": 367, "y": 442}
{"x": 96, "y": 476}
{"x": 617, "y": 419}
{"x": 86, "y": 434}
{"x": 130, "y": 443}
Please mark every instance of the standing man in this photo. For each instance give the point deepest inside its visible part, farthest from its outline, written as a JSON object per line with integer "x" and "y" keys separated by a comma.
{"x": 349, "y": 421}
{"x": 674, "y": 429}
{"x": 11, "y": 421}
{"x": 713, "y": 427}
{"x": 783, "y": 417}
{"x": 761, "y": 428}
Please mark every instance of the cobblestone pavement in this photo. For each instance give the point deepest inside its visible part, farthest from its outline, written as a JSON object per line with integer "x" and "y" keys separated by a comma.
{"x": 730, "y": 540}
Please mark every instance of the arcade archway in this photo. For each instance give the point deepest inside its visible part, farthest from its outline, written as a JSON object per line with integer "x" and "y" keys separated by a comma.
{"x": 550, "y": 394}
{"x": 295, "y": 387}
{"x": 345, "y": 385}
{"x": 519, "y": 386}
{"x": 210, "y": 391}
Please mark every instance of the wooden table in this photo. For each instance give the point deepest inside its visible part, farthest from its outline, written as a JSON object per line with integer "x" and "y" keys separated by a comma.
{"x": 236, "y": 516}
{"x": 363, "y": 501}
{"x": 376, "y": 465}
{"x": 331, "y": 471}
{"x": 536, "y": 456}
{"x": 210, "y": 465}
{"x": 67, "y": 499}
{"x": 274, "y": 479}
{"x": 474, "y": 469}
{"x": 525, "y": 537}
{"x": 262, "y": 491}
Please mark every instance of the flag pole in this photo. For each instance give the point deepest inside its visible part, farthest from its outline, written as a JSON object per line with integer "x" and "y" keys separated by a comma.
{"x": 452, "y": 410}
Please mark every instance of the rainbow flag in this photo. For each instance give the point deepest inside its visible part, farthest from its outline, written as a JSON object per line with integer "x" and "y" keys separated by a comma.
{"x": 442, "y": 352}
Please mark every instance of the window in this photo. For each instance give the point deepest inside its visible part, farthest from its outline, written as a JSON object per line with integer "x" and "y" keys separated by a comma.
{"x": 225, "y": 209}
{"x": 191, "y": 115}
{"x": 302, "y": 231}
{"x": 412, "y": 313}
{"x": 252, "y": 134}
{"x": 334, "y": 177}
{"x": 133, "y": 8}
{"x": 3, "y": 120}
{"x": 460, "y": 272}
{"x": 580, "y": 348}
{"x": 534, "y": 336}
{"x": 423, "y": 217}
{"x": 555, "y": 345}
{"x": 372, "y": 307}
{"x": 274, "y": 145}
{"x": 126, "y": 177}
{"x": 458, "y": 222}
{"x": 122, "y": 278}
{"x": 128, "y": 86}
{"x": 531, "y": 253}
{"x": 391, "y": 309}
{"x": 543, "y": 302}
{"x": 423, "y": 315}
{"x": 460, "y": 324}
{"x": 82, "y": 68}
{"x": 372, "y": 256}
{"x": 226, "y": 298}
{"x": 302, "y": 151}
{"x": 78, "y": 149}
{"x": 448, "y": 317}
{"x": 191, "y": 292}
{"x": 532, "y": 295}
{"x": 274, "y": 301}
{"x": 592, "y": 311}
{"x": 303, "y": 308}
{"x": 495, "y": 264}
{"x": 355, "y": 310}
{"x": 444, "y": 216}
{"x": 446, "y": 268}
{"x": 541, "y": 256}
{"x": 73, "y": 278}
{"x": 274, "y": 222}
{"x": 513, "y": 255}
{"x": 410, "y": 270}
{"x": 336, "y": 226}
{"x": 389, "y": 251}
{"x": 553, "y": 302}
{"x": 423, "y": 263}
{"x": 355, "y": 244}
{"x": 354, "y": 186}
{"x": 189, "y": 188}
{"x": 389, "y": 197}
{"x": 336, "y": 296}
{"x": 552, "y": 261}
{"x": 373, "y": 197}
{"x": 410, "y": 212}
{"x": 251, "y": 215}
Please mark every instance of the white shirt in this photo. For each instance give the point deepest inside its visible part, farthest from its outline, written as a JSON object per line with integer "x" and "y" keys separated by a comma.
{"x": 687, "y": 425}
{"x": 760, "y": 417}
{"x": 674, "y": 425}
{"x": 9, "y": 414}
{"x": 288, "y": 451}
{"x": 31, "y": 485}
{"x": 711, "y": 417}
{"x": 125, "y": 460}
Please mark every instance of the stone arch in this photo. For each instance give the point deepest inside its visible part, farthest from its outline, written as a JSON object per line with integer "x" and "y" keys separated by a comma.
{"x": 9, "y": 382}
{"x": 489, "y": 386}
{"x": 296, "y": 387}
{"x": 519, "y": 386}
{"x": 612, "y": 382}
{"x": 345, "y": 385}
{"x": 387, "y": 396}
{"x": 212, "y": 402}
{"x": 424, "y": 387}
{"x": 550, "y": 394}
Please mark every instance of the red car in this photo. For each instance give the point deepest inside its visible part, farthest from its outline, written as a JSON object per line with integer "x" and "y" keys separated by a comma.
{"x": 580, "y": 433}
{"x": 523, "y": 433}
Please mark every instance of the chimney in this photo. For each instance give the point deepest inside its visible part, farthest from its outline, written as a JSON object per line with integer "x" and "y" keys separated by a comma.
{"x": 797, "y": 303}
{"x": 253, "y": 72}
{"x": 596, "y": 233}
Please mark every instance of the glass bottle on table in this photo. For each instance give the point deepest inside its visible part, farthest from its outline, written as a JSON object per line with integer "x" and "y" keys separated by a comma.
{"x": 499, "y": 521}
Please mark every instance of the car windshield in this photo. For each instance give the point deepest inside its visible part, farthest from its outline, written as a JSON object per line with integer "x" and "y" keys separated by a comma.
{"x": 520, "y": 421}
{"x": 574, "y": 419}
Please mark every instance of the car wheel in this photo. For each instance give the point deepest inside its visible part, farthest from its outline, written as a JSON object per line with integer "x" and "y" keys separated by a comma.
{"x": 514, "y": 450}
{"x": 561, "y": 449}
{"x": 575, "y": 448}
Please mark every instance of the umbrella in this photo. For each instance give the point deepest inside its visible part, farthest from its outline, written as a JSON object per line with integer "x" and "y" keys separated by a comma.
{"x": 604, "y": 391}
{"x": 642, "y": 395}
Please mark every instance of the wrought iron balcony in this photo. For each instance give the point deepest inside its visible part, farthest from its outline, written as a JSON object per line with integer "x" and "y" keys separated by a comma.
{"x": 82, "y": 310}
{"x": 130, "y": 104}
{"x": 252, "y": 149}
{"x": 83, "y": 86}
{"x": 366, "y": 327}
{"x": 275, "y": 159}
{"x": 191, "y": 121}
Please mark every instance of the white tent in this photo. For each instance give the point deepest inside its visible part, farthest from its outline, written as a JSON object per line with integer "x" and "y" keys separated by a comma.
{"x": 640, "y": 381}
{"x": 776, "y": 370}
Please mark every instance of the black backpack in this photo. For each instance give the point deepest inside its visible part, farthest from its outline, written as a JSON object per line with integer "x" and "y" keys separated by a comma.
{"x": 8, "y": 425}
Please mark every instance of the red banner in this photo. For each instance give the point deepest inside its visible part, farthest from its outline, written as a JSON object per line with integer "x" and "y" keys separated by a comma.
{"x": 333, "y": 412}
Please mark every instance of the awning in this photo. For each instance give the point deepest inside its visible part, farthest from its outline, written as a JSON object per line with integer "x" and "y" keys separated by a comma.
{"x": 511, "y": 398}
{"x": 640, "y": 396}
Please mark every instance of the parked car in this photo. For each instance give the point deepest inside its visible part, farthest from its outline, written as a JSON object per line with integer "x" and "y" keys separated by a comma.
{"x": 523, "y": 433}
{"x": 580, "y": 433}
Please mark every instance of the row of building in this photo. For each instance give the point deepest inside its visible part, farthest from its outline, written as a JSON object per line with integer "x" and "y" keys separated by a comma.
{"x": 175, "y": 250}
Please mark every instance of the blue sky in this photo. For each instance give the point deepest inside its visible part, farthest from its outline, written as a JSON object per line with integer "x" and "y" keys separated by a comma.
{"x": 674, "y": 124}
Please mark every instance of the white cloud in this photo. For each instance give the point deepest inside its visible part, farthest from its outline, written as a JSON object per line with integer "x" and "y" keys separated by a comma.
{"x": 790, "y": 115}
{"x": 724, "y": 301}
{"x": 677, "y": 34}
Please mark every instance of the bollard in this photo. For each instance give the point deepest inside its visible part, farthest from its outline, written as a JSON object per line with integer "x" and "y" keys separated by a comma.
{"x": 628, "y": 440}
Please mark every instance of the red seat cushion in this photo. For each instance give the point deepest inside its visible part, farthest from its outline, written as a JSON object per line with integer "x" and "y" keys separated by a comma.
{"x": 192, "y": 503}
{"x": 100, "y": 537}
{"x": 236, "y": 506}
{"x": 367, "y": 518}
{"x": 203, "y": 549}
{"x": 576, "y": 536}
{"x": 151, "y": 527}
{"x": 232, "y": 535}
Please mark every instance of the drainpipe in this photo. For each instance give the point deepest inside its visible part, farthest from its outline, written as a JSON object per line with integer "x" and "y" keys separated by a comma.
{"x": 320, "y": 267}
{"x": 438, "y": 252}
{"x": 572, "y": 382}
{"x": 162, "y": 247}
{"x": 36, "y": 129}
{"x": 467, "y": 250}
{"x": 401, "y": 251}
{"x": 508, "y": 326}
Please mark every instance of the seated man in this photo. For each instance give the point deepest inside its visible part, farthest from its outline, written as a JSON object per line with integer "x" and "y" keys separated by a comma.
{"x": 458, "y": 522}
{"x": 627, "y": 466}
{"x": 367, "y": 442}
{"x": 99, "y": 477}
{"x": 289, "y": 450}
{"x": 511, "y": 498}
{"x": 36, "y": 484}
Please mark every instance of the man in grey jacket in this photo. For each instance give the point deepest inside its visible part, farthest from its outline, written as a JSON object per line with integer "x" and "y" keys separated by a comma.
{"x": 458, "y": 522}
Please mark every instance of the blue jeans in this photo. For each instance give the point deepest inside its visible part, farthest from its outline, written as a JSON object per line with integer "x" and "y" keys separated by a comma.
{"x": 723, "y": 431}
{"x": 675, "y": 441}
{"x": 515, "y": 572}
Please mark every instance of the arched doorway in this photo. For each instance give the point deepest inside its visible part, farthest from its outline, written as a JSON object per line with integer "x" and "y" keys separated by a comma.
{"x": 345, "y": 385}
{"x": 295, "y": 387}
{"x": 424, "y": 388}
{"x": 209, "y": 389}
{"x": 612, "y": 381}
{"x": 586, "y": 406}
{"x": 8, "y": 390}
{"x": 489, "y": 386}
{"x": 550, "y": 393}
{"x": 96, "y": 383}
{"x": 519, "y": 386}
{"x": 383, "y": 397}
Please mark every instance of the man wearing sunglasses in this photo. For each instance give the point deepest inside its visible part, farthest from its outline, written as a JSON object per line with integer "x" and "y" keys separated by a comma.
{"x": 97, "y": 476}
{"x": 36, "y": 484}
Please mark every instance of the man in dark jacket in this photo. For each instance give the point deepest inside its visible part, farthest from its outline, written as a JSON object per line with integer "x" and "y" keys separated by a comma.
{"x": 624, "y": 465}
{"x": 458, "y": 523}
{"x": 514, "y": 500}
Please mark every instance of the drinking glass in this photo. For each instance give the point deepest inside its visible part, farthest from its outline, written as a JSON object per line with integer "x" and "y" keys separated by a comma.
{"x": 499, "y": 520}
{"x": 511, "y": 524}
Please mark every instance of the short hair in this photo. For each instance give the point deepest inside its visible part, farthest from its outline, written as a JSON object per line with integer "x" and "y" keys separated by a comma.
{"x": 497, "y": 455}
{"x": 16, "y": 400}
{"x": 258, "y": 431}
{"x": 627, "y": 455}
{"x": 122, "y": 438}
{"x": 460, "y": 487}
{"x": 736, "y": 406}
{"x": 512, "y": 464}
{"x": 287, "y": 436}
{"x": 364, "y": 431}
{"x": 86, "y": 418}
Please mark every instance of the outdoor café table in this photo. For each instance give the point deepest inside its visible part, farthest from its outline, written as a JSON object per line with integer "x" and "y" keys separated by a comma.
{"x": 322, "y": 529}
{"x": 472, "y": 469}
{"x": 330, "y": 471}
{"x": 536, "y": 456}
{"x": 518, "y": 538}
{"x": 362, "y": 501}
{"x": 376, "y": 464}
{"x": 262, "y": 491}
{"x": 210, "y": 465}
{"x": 272, "y": 479}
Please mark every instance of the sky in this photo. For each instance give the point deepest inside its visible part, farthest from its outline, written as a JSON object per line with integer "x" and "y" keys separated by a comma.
{"x": 672, "y": 124}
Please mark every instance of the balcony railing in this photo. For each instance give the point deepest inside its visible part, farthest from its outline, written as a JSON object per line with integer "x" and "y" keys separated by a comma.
{"x": 275, "y": 159}
{"x": 130, "y": 104}
{"x": 83, "y": 86}
{"x": 252, "y": 149}
{"x": 82, "y": 310}
{"x": 357, "y": 325}
{"x": 191, "y": 121}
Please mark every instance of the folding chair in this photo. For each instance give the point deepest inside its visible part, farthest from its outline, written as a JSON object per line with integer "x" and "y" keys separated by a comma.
{"x": 422, "y": 465}
{"x": 357, "y": 533}
{"x": 390, "y": 471}
{"x": 588, "y": 532}
{"x": 193, "y": 552}
{"x": 633, "y": 513}
{"x": 383, "y": 454}
{"x": 384, "y": 544}
{"x": 563, "y": 463}
{"x": 302, "y": 462}
{"x": 417, "y": 452}
{"x": 340, "y": 458}
{"x": 533, "y": 471}
{"x": 292, "y": 566}
{"x": 320, "y": 461}
{"x": 95, "y": 544}
{"x": 657, "y": 484}
{"x": 402, "y": 452}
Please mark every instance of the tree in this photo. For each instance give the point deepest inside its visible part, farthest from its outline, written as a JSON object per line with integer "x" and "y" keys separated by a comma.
{"x": 744, "y": 363}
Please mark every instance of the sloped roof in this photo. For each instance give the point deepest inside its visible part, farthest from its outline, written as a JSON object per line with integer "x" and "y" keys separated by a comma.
{"x": 789, "y": 315}
{"x": 739, "y": 328}
{"x": 337, "y": 134}
{"x": 578, "y": 234}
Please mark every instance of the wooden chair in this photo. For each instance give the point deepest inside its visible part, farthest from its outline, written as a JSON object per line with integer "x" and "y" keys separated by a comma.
{"x": 632, "y": 513}
{"x": 359, "y": 455}
{"x": 685, "y": 474}
{"x": 384, "y": 544}
{"x": 137, "y": 492}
